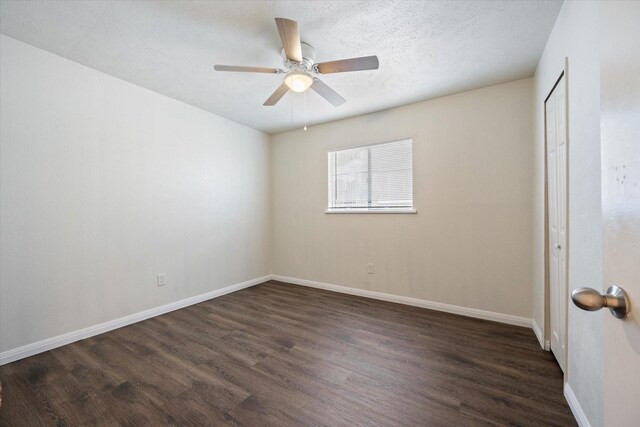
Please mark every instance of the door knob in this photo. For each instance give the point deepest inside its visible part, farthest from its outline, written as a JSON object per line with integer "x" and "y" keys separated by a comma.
{"x": 558, "y": 247}
{"x": 616, "y": 300}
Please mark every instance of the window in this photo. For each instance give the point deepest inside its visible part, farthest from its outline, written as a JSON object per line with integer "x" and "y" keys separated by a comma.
{"x": 372, "y": 178}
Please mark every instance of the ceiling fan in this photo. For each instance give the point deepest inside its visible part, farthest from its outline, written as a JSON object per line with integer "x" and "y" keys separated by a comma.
{"x": 300, "y": 67}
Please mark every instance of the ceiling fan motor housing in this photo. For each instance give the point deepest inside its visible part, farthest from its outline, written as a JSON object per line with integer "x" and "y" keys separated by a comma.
{"x": 308, "y": 58}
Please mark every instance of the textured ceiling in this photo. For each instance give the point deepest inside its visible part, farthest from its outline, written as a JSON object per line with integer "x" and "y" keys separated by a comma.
{"x": 426, "y": 49}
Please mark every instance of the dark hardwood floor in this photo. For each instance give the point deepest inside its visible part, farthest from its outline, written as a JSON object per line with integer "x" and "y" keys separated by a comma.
{"x": 279, "y": 354}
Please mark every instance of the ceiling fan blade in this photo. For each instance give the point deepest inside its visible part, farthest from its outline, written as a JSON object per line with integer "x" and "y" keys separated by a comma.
{"x": 352, "y": 64}
{"x": 290, "y": 37}
{"x": 327, "y": 93}
{"x": 277, "y": 95}
{"x": 247, "y": 69}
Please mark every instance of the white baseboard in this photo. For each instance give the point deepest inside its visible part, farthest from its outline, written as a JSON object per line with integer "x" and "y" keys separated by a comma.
{"x": 546, "y": 345}
{"x": 578, "y": 413}
{"x": 60, "y": 340}
{"x": 432, "y": 305}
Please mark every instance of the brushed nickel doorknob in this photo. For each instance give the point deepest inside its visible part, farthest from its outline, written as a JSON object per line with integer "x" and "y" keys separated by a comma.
{"x": 616, "y": 300}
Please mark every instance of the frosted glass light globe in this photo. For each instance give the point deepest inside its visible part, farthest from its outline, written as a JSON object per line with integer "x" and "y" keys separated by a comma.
{"x": 298, "y": 81}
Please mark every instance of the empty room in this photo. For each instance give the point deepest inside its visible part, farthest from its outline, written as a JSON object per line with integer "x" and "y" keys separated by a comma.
{"x": 323, "y": 213}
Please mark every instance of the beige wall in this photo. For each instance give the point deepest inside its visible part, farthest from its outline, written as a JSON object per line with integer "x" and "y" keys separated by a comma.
{"x": 105, "y": 184}
{"x": 470, "y": 242}
{"x": 575, "y": 36}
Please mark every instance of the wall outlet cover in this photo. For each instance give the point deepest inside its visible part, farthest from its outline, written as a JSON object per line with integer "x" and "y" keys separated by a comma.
{"x": 162, "y": 279}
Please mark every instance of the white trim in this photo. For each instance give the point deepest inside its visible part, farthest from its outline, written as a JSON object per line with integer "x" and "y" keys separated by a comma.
{"x": 546, "y": 345}
{"x": 60, "y": 340}
{"x": 578, "y": 413}
{"x": 538, "y": 332}
{"x": 432, "y": 305}
{"x": 372, "y": 211}
{"x": 70, "y": 337}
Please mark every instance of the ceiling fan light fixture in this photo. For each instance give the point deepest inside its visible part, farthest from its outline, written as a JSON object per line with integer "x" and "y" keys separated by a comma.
{"x": 299, "y": 65}
{"x": 298, "y": 81}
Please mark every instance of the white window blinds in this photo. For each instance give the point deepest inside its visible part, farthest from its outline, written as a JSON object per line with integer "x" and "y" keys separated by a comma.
{"x": 372, "y": 177}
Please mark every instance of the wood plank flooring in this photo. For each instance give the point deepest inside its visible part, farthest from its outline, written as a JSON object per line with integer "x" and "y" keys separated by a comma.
{"x": 279, "y": 354}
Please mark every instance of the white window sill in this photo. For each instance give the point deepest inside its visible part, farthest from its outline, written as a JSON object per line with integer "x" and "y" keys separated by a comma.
{"x": 372, "y": 211}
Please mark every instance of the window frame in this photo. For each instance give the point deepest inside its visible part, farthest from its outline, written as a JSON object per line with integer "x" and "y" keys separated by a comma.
{"x": 372, "y": 210}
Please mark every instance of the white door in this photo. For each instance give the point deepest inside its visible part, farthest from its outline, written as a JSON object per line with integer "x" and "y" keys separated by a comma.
{"x": 555, "y": 115}
{"x": 620, "y": 139}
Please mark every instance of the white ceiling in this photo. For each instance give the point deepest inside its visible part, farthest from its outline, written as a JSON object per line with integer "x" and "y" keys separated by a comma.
{"x": 426, "y": 49}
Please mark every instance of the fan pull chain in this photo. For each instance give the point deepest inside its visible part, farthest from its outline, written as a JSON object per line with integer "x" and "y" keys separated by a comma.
{"x": 305, "y": 110}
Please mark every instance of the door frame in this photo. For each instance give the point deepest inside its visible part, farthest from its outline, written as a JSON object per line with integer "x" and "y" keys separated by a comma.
{"x": 546, "y": 332}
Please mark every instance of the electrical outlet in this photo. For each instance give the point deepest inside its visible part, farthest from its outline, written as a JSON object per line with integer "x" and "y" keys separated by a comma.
{"x": 371, "y": 269}
{"x": 162, "y": 279}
